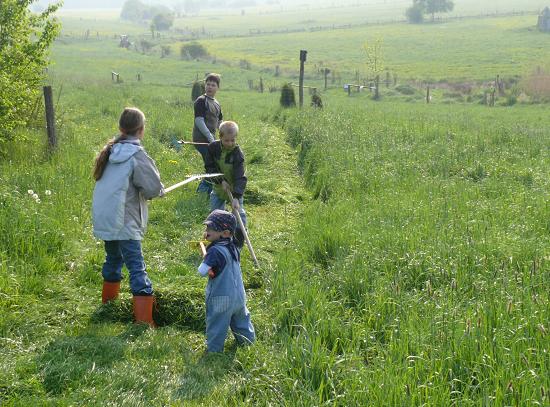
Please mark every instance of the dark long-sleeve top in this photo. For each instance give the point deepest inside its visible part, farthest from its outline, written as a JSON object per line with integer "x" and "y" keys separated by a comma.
{"x": 238, "y": 179}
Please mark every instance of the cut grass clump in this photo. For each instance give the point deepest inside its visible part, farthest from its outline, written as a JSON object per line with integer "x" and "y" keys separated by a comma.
{"x": 183, "y": 308}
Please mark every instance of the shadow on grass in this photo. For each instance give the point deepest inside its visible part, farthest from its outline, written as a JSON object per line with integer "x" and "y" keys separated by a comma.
{"x": 202, "y": 376}
{"x": 70, "y": 361}
{"x": 184, "y": 309}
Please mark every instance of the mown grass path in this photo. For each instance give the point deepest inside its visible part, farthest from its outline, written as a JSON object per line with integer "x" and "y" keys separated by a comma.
{"x": 61, "y": 346}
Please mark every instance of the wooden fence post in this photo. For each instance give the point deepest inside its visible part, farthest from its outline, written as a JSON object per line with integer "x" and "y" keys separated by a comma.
{"x": 50, "y": 117}
{"x": 326, "y": 71}
{"x": 303, "y": 54}
{"x": 376, "y": 87}
{"x": 428, "y": 94}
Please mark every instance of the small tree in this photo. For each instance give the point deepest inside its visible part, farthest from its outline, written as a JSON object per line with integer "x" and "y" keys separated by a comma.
{"x": 375, "y": 63}
{"x": 132, "y": 10}
{"x": 163, "y": 21}
{"x": 415, "y": 13}
{"x": 197, "y": 90}
{"x": 438, "y": 6}
{"x": 287, "y": 96}
{"x": 25, "y": 39}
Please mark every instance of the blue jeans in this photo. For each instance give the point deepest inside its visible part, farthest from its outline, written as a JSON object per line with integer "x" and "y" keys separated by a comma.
{"x": 218, "y": 203}
{"x": 204, "y": 186}
{"x": 225, "y": 312}
{"x": 119, "y": 252}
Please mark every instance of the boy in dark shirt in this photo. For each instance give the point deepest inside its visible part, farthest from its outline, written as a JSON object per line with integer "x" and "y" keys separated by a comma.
{"x": 208, "y": 116}
{"x": 225, "y": 156}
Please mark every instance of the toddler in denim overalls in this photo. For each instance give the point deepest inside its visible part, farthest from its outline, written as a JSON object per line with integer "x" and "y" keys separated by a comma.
{"x": 225, "y": 295}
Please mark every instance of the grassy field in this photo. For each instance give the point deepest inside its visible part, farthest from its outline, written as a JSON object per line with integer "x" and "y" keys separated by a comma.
{"x": 404, "y": 246}
{"x": 511, "y": 47}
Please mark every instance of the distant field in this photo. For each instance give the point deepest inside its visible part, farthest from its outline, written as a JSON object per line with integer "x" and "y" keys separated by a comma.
{"x": 452, "y": 50}
{"x": 456, "y": 50}
{"x": 290, "y": 16}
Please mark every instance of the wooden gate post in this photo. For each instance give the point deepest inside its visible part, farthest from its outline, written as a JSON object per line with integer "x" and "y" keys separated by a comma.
{"x": 326, "y": 71}
{"x": 50, "y": 117}
{"x": 303, "y": 54}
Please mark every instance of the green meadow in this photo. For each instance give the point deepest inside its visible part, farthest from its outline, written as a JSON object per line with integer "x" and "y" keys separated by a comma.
{"x": 403, "y": 246}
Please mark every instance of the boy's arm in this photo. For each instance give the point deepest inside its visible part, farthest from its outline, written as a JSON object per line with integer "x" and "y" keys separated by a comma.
{"x": 239, "y": 183}
{"x": 146, "y": 176}
{"x": 200, "y": 114}
{"x": 213, "y": 261}
{"x": 201, "y": 125}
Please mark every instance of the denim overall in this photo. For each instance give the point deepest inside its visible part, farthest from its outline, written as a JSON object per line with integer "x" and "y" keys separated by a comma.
{"x": 226, "y": 306}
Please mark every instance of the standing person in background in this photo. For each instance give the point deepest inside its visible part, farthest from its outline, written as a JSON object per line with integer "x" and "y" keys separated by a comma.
{"x": 126, "y": 177}
{"x": 208, "y": 116}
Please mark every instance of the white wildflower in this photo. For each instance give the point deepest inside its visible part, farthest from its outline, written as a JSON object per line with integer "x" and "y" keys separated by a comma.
{"x": 30, "y": 192}
{"x": 35, "y": 196}
{"x": 48, "y": 192}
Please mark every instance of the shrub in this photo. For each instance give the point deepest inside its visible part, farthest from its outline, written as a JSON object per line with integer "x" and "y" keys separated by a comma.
{"x": 405, "y": 89}
{"x": 316, "y": 101}
{"x": 165, "y": 50}
{"x": 287, "y": 96}
{"x": 193, "y": 50}
{"x": 198, "y": 90}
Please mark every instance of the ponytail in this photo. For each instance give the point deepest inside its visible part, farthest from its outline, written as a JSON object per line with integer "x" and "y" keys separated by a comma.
{"x": 103, "y": 157}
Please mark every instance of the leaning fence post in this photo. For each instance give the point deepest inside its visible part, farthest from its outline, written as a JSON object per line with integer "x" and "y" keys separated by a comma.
{"x": 50, "y": 117}
{"x": 428, "y": 94}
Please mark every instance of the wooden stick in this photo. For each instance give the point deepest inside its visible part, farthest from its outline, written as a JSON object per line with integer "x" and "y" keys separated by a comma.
{"x": 245, "y": 234}
{"x": 190, "y": 179}
{"x": 202, "y": 247}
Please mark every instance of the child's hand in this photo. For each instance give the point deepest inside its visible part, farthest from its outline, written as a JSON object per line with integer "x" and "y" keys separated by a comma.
{"x": 235, "y": 204}
{"x": 211, "y": 273}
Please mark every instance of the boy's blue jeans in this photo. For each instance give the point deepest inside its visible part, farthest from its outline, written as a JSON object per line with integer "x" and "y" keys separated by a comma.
{"x": 217, "y": 203}
{"x": 204, "y": 186}
{"x": 222, "y": 313}
{"x": 127, "y": 252}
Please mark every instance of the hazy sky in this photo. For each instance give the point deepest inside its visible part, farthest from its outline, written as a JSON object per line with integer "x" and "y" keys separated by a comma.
{"x": 490, "y": 4}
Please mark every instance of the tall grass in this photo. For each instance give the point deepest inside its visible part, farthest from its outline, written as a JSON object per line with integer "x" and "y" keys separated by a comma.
{"x": 423, "y": 263}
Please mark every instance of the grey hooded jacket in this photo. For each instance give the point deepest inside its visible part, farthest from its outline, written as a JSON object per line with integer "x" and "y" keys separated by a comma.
{"x": 130, "y": 178}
